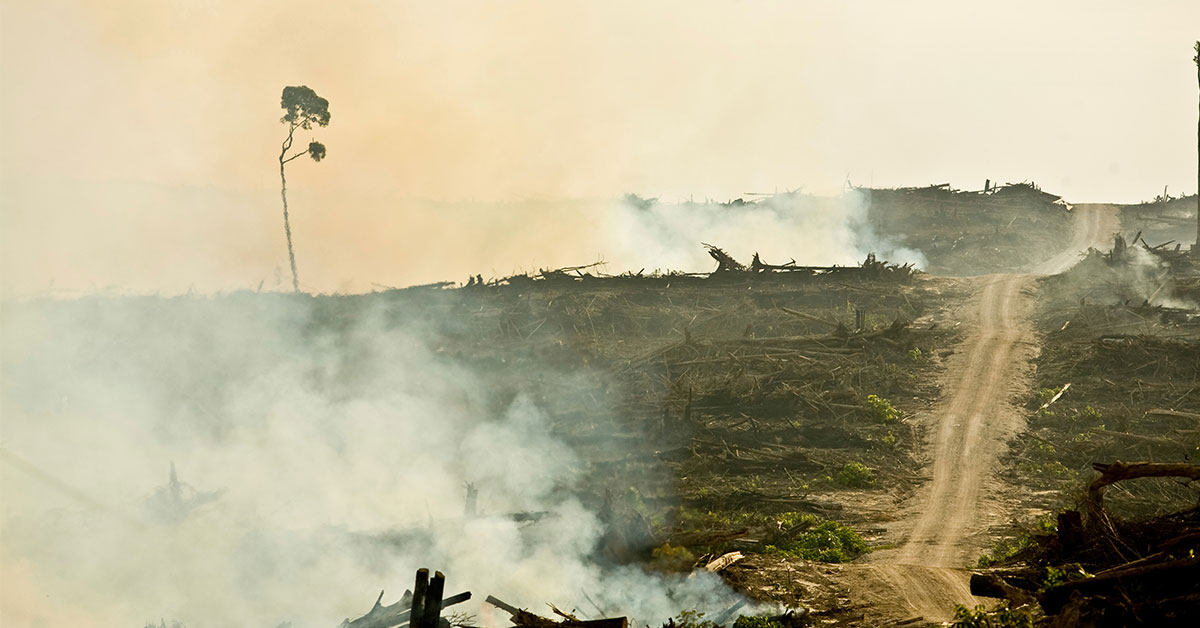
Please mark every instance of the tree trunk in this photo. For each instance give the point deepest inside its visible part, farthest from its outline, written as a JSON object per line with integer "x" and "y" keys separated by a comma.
{"x": 287, "y": 229}
{"x": 287, "y": 225}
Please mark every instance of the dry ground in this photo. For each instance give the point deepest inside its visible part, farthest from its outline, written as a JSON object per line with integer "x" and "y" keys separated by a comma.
{"x": 970, "y": 429}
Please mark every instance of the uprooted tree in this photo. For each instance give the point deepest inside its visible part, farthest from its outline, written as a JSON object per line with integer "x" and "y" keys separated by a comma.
{"x": 303, "y": 108}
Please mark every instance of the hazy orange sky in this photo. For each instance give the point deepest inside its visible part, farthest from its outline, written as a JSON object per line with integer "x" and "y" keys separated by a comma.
{"x": 139, "y": 138}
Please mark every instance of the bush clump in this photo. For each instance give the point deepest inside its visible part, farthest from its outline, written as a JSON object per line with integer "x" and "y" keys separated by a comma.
{"x": 980, "y": 617}
{"x": 756, "y": 621}
{"x": 1008, "y": 549}
{"x": 690, "y": 619}
{"x": 883, "y": 409}
{"x": 809, "y": 537}
{"x": 856, "y": 475}
{"x": 672, "y": 558}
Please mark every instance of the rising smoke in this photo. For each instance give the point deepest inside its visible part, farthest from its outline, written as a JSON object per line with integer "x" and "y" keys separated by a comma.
{"x": 323, "y": 451}
{"x": 1128, "y": 274}
{"x": 318, "y": 452}
{"x": 807, "y": 229}
{"x": 214, "y": 241}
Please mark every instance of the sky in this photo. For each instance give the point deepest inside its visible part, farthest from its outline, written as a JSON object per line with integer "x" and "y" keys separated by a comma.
{"x": 139, "y": 138}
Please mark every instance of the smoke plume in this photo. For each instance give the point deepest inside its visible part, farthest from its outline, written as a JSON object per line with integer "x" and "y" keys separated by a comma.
{"x": 251, "y": 460}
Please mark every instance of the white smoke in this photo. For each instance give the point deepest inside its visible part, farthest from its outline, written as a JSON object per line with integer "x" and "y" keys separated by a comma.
{"x": 358, "y": 240}
{"x": 1149, "y": 277}
{"x": 812, "y": 230}
{"x": 322, "y": 449}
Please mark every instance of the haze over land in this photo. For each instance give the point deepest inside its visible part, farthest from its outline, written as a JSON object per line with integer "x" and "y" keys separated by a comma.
{"x": 274, "y": 458}
{"x": 139, "y": 139}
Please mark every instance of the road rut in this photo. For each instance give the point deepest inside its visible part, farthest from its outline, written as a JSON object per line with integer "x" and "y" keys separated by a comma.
{"x": 969, "y": 429}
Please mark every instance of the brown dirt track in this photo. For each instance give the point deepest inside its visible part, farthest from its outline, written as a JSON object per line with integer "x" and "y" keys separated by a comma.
{"x": 944, "y": 527}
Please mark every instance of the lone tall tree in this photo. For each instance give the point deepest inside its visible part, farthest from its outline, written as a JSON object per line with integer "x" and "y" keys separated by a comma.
{"x": 304, "y": 108}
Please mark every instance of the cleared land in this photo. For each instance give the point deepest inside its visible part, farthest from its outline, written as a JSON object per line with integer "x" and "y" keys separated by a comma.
{"x": 804, "y": 419}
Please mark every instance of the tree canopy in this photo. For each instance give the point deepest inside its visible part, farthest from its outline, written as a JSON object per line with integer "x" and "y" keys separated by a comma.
{"x": 304, "y": 107}
{"x": 316, "y": 150}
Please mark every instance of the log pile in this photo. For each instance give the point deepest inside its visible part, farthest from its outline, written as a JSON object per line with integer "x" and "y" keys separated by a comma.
{"x": 993, "y": 195}
{"x": 422, "y": 608}
{"x": 1099, "y": 570}
{"x": 871, "y": 269}
{"x": 1130, "y": 287}
{"x": 419, "y": 608}
{"x": 525, "y": 619}
{"x": 1171, "y": 259}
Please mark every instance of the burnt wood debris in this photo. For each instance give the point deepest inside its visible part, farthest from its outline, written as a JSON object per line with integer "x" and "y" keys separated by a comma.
{"x": 1097, "y": 569}
{"x": 422, "y": 607}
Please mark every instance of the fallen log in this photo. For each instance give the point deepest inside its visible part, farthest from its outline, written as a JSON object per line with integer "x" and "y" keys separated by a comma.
{"x": 989, "y": 585}
{"x": 525, "y": 619}
{"x": 723, "y": 562}
{"x": 759, "y": 266}
{"x": 1174, "y": 413}
{"x": 1117, "y": 471}
{"x": 378, "y": 616}
{"x": 397, "y": 614}
{"x": 725, "y": 261}
{"x": 1151, "y": 577}
{"x": 1185, "y": 570}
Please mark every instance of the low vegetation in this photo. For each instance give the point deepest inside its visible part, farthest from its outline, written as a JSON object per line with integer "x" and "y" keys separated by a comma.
{"x": 983, "y": 617}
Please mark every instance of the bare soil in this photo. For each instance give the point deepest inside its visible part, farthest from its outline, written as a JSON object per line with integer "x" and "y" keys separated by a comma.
{"x": 970, "y": 429}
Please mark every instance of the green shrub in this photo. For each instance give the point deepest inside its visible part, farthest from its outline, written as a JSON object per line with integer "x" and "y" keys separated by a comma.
{"x": 756, "y": 621}
{"x": 824, "y": 541}
{"x": 1008, "y": 548}
{"x": 693, "y": 619}
{"x": 980, "y": 617}
{"x": 794, "y": 520}
{"x": 667, "y": 557}
{"x": 856, "y": 475}
{"x": 1004, "y": 550}
{"x": 1045, "y": 394}
{"x": 790, "y": 534}
{"x": 1054, "y": 577}
{"x": 883, "y": 409}
{"x": 1061, "y": 575}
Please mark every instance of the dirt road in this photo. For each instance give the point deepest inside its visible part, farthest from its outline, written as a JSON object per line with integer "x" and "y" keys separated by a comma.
{"x": 947, "y": 522}
{"x": 1094, "y": 227}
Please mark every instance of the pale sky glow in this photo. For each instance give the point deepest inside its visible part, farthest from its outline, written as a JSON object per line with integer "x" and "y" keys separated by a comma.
{"x": 139, "y": 137}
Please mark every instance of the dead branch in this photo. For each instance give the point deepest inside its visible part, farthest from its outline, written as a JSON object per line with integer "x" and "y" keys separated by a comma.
{"x": 1111, "y": 473}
